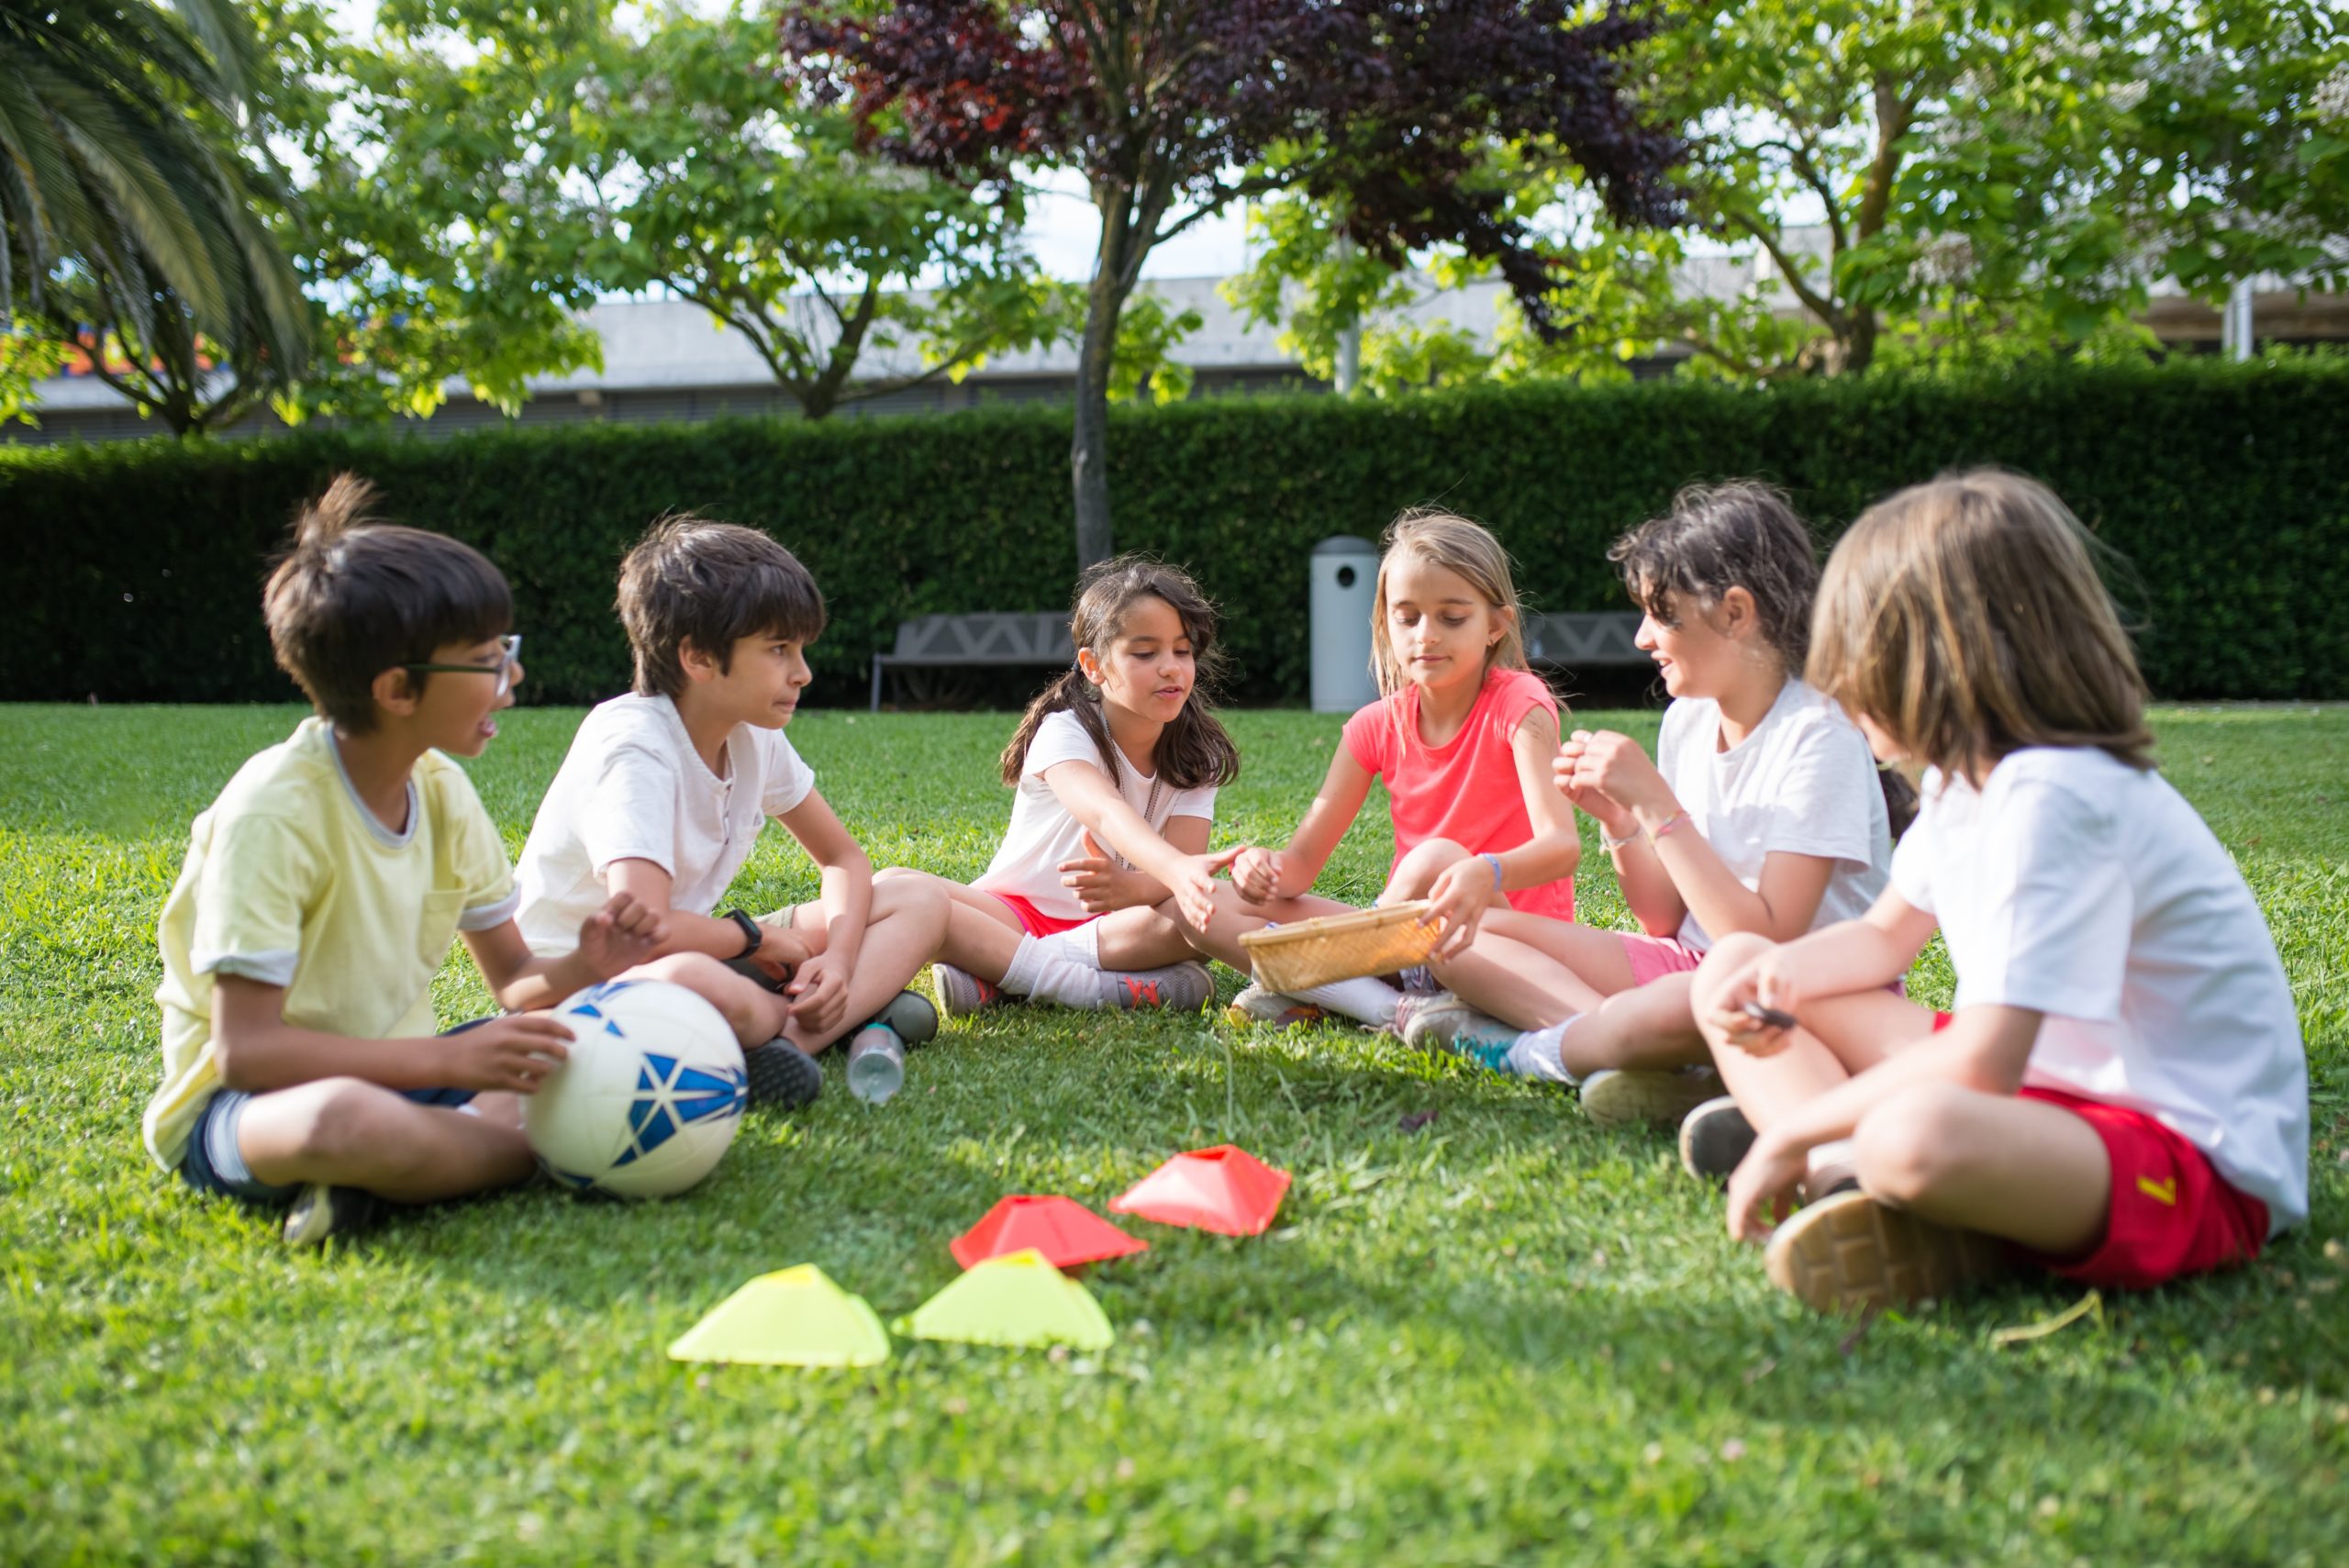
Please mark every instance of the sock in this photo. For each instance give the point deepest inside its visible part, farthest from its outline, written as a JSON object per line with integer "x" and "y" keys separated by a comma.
{"x": 1038, "y": 970}
{"x": 1369, "y": 999}
{"x": 1831, "y": 1164}
{"x": 1079, "y": 945}
{"x": 1539, "y": 1054}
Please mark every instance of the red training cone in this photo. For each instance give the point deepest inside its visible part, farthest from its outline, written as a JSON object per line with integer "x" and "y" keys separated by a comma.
{"x": 1225, "y": 1189}
{"x": 1063, "y": 1229}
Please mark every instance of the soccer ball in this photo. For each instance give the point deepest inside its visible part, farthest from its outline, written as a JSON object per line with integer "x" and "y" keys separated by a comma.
{"x": 650, "y": 1097}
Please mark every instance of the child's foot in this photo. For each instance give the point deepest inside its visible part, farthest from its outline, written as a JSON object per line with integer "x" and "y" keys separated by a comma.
{"x": 960, "y": 993}
{"x": 320, "y": 1211}
{"x": 1629, "y": 1097}
{"x": 1254, "y": 1004}
{"x": 1848, "y": 1252}
{"x": 782, "y": 1074}
{"x": 1713, "y": 1139}
{"x": 1179, "y": 987}
{"x": 1444, "y": 1022}
{"x": 912, "y": 1016}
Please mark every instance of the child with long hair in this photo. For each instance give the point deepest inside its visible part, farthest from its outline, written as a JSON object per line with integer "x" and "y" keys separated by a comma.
{"x": 1115, "y": 766}
{"x": 1462, "y": 735}
{"x": 1761, "y": 812}
{"x": 2121, "y": 1095}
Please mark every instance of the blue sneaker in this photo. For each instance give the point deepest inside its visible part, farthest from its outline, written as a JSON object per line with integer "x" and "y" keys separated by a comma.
{"x": 1444, "y": 1022}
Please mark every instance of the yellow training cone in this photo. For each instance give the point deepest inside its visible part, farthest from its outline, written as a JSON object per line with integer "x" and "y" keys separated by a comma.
{"x": 793, "y": 1317}
{"x": 1016, "y": 1299}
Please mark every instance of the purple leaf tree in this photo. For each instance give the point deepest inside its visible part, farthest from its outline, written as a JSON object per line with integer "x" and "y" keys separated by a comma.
{"x": 1174, "y": 109}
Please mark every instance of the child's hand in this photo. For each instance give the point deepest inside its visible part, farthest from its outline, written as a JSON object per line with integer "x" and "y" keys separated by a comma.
{"x": 1456, "y": 903}
{"x": 1194, "y": 884}
{"x": 1761, "y": 1190}
{"x": 1614, "y": 766}
{"x": 1564, "y": 769}
{"x": 620, "y": 936}
{"x": 512, "y": 1054}
{"x": 818, "y": 994}
{"x": 1257, "y": 874}
{"x": 782, "y": 952}
{"x": 1100, "y": 883}
{"x": 1765, "y": 985}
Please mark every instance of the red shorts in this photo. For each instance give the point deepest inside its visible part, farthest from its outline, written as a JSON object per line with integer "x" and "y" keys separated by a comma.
{"x": 2172, "y": 1214}
{"x": 1034, "y": 920}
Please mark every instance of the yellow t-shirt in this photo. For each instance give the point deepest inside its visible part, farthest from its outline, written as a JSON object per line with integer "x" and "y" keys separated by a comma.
{"x": 291, "y": 882}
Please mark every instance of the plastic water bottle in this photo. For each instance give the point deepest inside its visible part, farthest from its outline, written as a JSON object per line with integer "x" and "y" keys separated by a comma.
{"x": 876, "y": 1063}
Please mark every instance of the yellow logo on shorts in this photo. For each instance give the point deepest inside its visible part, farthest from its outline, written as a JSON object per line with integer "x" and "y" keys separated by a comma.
{"x": 2163, "y": 1192}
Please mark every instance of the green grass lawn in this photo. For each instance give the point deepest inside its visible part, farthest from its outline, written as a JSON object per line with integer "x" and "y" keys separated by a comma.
{"x": 1506, "y": 1334}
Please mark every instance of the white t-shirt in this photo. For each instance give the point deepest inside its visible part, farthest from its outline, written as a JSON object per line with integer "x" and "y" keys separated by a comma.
{"x": 1802, "y": 783}
{"x": 2082, "y": 888}
{"x": 632, "y": 787}
{"x": 1043, "y": 834}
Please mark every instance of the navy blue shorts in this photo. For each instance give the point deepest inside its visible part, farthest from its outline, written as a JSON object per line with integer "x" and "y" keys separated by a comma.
{"x": 214, "y": 1164}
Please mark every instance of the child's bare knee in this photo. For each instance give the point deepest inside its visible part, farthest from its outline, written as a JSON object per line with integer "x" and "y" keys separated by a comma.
{"x": 696, "y": 972}
{"x": 343, "y": 1117}
{"x": 1417, "y": 871}
{"x": 1728, "y": 955}
{"x": 1914, "y": 1142}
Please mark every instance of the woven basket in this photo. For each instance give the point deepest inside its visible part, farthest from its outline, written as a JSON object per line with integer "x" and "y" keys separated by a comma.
{"x": 1297, "y": 957}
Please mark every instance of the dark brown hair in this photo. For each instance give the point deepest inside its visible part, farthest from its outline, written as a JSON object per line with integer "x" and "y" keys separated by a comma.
{"x": 1193, "y": 749}
{"x": 1966, "y": 619}
{"x": 689, "y": 578}
{"x": 354, "y": 597}
{"x": 1742, "y": 534}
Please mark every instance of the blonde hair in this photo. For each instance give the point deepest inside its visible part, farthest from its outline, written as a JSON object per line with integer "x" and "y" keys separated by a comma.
{"x": 1452, "y": 542}
{"x": 1965, "y": 619}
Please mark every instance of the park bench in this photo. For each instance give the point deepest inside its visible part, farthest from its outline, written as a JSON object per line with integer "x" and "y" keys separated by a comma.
{"x": 973, "y": 641}
{"x": 1580, "y": 639}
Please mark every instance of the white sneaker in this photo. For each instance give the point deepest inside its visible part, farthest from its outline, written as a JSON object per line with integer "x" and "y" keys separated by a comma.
{"x": 1627, "y": 1097}
{"x": 1254, "y": 1004}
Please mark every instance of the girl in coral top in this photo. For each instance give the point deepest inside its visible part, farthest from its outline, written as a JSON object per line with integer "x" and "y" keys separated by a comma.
{"x": 1462, "y": 736}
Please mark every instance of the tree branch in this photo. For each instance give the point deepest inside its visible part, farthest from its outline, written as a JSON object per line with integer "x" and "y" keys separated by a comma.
{"x": 1819, "y": 305}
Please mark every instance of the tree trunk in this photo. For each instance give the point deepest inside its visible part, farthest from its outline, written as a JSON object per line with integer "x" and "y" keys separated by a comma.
{"x": 1089, "y": 455}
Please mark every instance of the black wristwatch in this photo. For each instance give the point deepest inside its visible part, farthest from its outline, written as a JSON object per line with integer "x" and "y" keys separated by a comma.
{"x": 754, "y": 936}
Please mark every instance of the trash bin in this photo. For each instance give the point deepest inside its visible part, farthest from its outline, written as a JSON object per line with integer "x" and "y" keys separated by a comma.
{"x": 1345, "y": 580}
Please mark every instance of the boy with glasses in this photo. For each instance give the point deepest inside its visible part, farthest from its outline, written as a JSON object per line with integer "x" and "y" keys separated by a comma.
{"x": 320, "y": 892}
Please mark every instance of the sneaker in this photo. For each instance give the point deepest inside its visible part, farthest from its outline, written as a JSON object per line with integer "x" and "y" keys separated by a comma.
{"x": 1419, "y": 981}
{"x": 912, "y": 1016}
{"x": 320, "y": 1211}
{"x": 1254, "y": 1004}
{"x": 1179, "y": 987}
{"x": 1713, "y": 1139}
{"x": 782, "y": 1074}
{"x": 960, "y": 993}
{"x": 1444, "y": 1022}
{"x": 1630, "y": 1096}
{"x": 1849, "y": 1253}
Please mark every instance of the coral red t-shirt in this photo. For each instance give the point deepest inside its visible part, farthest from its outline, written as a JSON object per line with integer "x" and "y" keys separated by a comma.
{"x": 1466, "y": 791}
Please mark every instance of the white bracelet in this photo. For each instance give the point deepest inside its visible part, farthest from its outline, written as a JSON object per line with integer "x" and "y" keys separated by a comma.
{"x": 1610, "y": 843}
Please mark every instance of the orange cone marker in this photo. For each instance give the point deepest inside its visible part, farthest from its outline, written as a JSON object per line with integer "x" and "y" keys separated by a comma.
{"x": 1224, "y": 1189}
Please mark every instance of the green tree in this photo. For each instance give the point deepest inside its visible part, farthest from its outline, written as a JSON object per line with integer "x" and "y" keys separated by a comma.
{"x": 1873, "y": 180}
{"x": 128, "y": 205}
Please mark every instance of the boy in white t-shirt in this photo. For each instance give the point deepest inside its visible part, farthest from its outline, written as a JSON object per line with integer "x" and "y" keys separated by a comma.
{"x": 321, "y": 891}
{"x": 664, "y": 791}
{"x": 2122, "y": 1092}
{"x": 1762, "y": 812}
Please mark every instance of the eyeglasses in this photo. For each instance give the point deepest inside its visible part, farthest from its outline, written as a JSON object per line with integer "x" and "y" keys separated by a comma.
{"x": 510, "y": 658}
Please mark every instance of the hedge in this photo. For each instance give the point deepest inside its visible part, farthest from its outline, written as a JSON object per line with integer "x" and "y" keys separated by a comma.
{"x": 2226, "y": 489}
